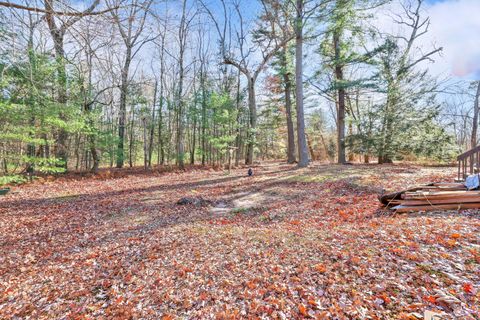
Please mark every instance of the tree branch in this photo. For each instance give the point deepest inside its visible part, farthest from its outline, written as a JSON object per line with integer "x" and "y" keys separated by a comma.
{"x": 53, "y": 12}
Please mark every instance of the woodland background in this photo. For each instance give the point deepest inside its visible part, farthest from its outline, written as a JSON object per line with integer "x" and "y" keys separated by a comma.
{"x": 123, "y": 83}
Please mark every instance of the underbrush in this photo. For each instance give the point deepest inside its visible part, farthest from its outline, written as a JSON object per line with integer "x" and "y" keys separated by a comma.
{"x": 12, "y": 180}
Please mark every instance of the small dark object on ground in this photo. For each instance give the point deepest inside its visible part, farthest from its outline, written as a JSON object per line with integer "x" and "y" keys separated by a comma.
{"x": 4, "y": 191}
{"x": 250, "y": 172}
{"x": 199, "y": 201}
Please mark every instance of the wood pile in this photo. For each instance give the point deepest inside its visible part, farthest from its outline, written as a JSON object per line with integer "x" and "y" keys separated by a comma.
{"x": 435, "y": 196}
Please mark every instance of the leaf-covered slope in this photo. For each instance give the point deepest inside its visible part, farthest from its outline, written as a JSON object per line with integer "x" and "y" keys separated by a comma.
{"x": 303, "y": 243}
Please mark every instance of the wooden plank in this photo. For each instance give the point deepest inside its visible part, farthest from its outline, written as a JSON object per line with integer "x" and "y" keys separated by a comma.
{"x": 440, "y": 192}
{"x": 439, "y": 201}
{"x": 446, "y": 188}
{"x": 419, "y": 193}
{"x": 449, "y": 184}
{"x": 459, "y": 206}
{"x": 442, "y": 197}
{"x": 386, "y": 199}
{"x": 452, "y": 186}
{"x": 433, "y": 195}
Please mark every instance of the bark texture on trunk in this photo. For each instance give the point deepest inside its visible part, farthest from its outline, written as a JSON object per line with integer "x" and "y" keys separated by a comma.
{"x": 58, "y": 34}
{"x": 341, "y": 100}
{"x": 204, "y": 124}
{"x": 194, "y": 141}
{"x": 238, "y": 138}
{"x": 123, "y": 109}
{"x": 302, "y": 143}
{"x": 288, "y": 109}
{"x": 182, "y": 31}
{"x": 473, "y": 141}
{"x": 252, "y": 106}
{"x": 152, "y": 126}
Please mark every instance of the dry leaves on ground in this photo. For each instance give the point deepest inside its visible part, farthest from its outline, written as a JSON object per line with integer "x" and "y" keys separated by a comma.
{"x": 283, "y": 244}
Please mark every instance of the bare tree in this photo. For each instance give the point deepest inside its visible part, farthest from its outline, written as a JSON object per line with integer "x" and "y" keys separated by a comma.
{"x": 131, "y": 25}
{"x": 282, "y": 13}
{"x": 182, "y": 37}
{"x": 203, "y": 56}
{"x": 161, "y": 80}
{"x": 92, "y": 42}
{"x": 244, "y": 59}
{"x": 151, "y": 134}
{"x": 51, "y": 11}
{"x": 58, "y": 29}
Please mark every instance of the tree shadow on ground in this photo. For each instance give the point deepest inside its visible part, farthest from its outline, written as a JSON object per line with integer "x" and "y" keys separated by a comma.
{"x": 125, "y": 192}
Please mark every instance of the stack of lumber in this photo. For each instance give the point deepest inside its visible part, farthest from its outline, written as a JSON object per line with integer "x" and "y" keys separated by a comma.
{"x": 435, "y": 196}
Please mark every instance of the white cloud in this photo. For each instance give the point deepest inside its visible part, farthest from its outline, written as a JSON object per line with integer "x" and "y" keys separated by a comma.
{"x": 455, "y": 25}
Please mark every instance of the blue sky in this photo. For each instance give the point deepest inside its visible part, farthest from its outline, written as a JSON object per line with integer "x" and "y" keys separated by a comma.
{"x": 455, "y": 26}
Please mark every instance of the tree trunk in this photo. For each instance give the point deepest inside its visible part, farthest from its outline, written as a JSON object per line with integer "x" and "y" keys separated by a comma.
{"x": 131, "y": 146}
{"x": 238, "y": 135}
{"x": 473, "y": 141}
{"x": 123, "y": 110}
{"x": 152, "y": 127}
{"x": 161, "y": 149}
{"x": 252, "y": 106}
{"x": 180, "y": 142}
{"x": 58, "y": 33}
{"x": 30, "y": 168}
{"x": 383, "y": 151}
{"x": 288, "y": 108}
{"x": 310, "y": 148}
{"x": 95, "y": 157}
{"x": 192, "y": 153}
{"x": 5, "y": 165}
{"x": 182, "y": 39}
{"x": 61, "y": 147}
{"x": 302, "y": 143}
{"x": 145, "y": 144}
{"x": 58, "y": 37}
{"x": 204, "y": 123}
{"x": 341, "y": 100}
{"x": 77, "y": 152}
{"x": 203, "y": 135}
{"x": 324, "y": 144}
{"x": 351, "y": 155}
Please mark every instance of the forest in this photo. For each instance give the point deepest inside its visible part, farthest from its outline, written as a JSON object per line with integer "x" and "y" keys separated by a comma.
{"x": 145, "y": 83}
{"x": 239, "y": 159}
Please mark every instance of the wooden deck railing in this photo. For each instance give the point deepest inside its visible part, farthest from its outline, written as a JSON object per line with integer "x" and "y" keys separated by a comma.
{"x": 467, "y": 162}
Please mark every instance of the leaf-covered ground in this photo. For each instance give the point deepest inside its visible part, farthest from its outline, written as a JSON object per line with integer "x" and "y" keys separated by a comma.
{"x": 284, "y": 244}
